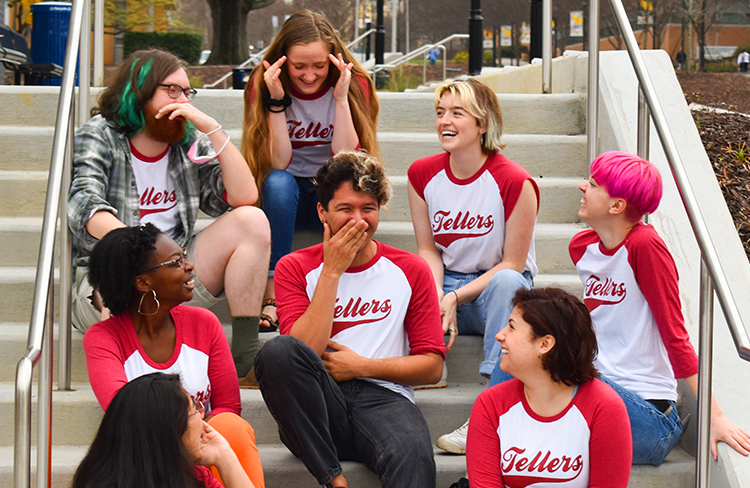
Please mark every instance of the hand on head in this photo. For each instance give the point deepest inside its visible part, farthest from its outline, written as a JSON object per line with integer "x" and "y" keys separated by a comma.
{"x": 341, "y": 91}
{"x": 271, "y": 77}
{"x": 213, "y": 446}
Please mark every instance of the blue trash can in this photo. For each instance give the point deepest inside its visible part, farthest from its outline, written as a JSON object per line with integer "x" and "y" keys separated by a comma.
{"x": 49, "y": 34}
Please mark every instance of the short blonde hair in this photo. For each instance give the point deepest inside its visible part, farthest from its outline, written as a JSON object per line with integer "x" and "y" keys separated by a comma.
{"x": 479, "y": 100}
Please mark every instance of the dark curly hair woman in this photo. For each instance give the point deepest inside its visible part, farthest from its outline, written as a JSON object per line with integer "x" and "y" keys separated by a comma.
{"x": 555, "y": 422}
{"x": 143, "y": 277}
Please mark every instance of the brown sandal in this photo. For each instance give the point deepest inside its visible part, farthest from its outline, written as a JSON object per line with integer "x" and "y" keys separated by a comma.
{"x": 273, "y": 324}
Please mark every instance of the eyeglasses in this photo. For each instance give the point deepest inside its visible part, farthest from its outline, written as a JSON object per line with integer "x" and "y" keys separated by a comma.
{"x": 174, "y": 91}
{"x": 199, "y": 407}
{"x": 179, "y": 261}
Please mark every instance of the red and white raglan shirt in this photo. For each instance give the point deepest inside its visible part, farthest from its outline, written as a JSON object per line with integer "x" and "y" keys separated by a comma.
{"x": 385, "y": 308}
{"x": 633, "y": 295}
{"x": 156, "y": 193}
{"x": 588, "y": 444}
{"x": 310, "y": 123}
{"x": 115, "y": 356}
{"x": 468, "y": 216}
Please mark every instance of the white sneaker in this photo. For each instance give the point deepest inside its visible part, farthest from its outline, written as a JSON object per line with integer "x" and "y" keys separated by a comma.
{"x": 455, "y": 442}
{"x": 440, "y": 384}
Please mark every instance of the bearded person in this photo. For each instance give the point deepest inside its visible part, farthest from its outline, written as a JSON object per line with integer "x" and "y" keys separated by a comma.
{"x": 148, "y": 155}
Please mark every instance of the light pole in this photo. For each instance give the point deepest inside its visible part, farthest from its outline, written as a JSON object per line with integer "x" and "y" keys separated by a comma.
{"x": 476, "y": 37}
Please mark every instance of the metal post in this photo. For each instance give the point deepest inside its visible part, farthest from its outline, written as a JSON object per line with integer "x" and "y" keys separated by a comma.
{"x": 66, "y": 269}
{"x": 644, "y": 125}
{"x": 394, "y": 25}
{"x": 705, "y": 360}
{"x": 703, "y": 37}
{"x": 592, "y": 114}
{"x": 406, "y": 22}
{"x": 45, "y": 270}
{"x": 98, "y": 42}
{"x": 44, "y": 409}
{"x": 84, "y": 63}
{"x": 547, "y": 46}
{"x": 380, "y": 36}
{"x": 476, "y": 38}
{"x": 356, "y": 20}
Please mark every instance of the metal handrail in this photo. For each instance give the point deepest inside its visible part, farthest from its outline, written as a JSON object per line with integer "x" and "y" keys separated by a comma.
{"x": 39, "y": 332}
{"x": 260, "y": 54}
{"x": 417, "y": 52}
{"x": 356, "y": 40}
{"x": 713, "y": 278}
{"x": 252, "y": 59}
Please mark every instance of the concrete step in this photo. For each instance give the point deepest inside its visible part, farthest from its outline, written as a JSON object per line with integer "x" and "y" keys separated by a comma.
{"x": 562, "y": 113}
{"x": 22, "y": 193}
{"x": 17, "y": 282}
{"x": 282, "y": 469}
{"x": 444, "y": 409}
{"x": 542, "y": 155}
{"x": 559, "y": 200}
{"x": 463, "y": 359}
{"x": 32, "y": 155}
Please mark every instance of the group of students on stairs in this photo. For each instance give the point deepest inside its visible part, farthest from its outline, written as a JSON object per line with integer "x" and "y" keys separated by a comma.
{"x": 360, "y": 322}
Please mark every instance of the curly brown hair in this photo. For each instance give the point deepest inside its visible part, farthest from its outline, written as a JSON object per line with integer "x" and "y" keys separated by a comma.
{"x": 362, "y": 170}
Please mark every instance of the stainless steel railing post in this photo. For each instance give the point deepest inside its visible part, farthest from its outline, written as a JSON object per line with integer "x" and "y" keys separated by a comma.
{"x": 705, "y": 362}
{"x": 45, "y": 269}
{"x": 592, "y": 113}
{"x": 644, "y": 125}
{"x": 547, "y": 46}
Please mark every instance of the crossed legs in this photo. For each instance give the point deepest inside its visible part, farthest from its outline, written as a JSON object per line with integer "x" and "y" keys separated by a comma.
{"x": 322, "y": 421}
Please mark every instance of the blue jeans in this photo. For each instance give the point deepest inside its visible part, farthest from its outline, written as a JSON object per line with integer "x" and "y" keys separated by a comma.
{"x": 322, "y": 421}
{"x": 489, "y": 313}
{"x": 654, "y": 434}
{"x": 290, "y": 203}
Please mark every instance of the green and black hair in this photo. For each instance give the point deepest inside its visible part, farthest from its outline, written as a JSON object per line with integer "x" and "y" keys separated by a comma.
{"x": 135, "y": 83}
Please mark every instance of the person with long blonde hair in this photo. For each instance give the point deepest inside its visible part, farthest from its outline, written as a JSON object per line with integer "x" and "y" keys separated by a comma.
{"x": 307, "y": 85}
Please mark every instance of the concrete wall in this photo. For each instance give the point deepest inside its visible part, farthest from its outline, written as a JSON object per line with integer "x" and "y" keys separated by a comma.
{"x": 617, "y": 130}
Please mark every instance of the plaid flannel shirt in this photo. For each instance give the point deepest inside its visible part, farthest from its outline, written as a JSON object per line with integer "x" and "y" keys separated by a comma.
{"x": 103, "y": 179}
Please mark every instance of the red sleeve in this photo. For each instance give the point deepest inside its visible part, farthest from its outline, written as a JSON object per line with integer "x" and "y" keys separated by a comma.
{"x": 511, "y": 176}
{"x": 610, "y": 445}
{"x": 422, "y": 170}
{"x": 422, "y": 322}
{"x": 225, "y": 389}
{"x": 363, "y": 82}
{"x": 656, "y": 275}
{"x": 203, "y": 474}
{"x": 483, "y": 458}
{"x": 579, "y": 243}
{"x": 291, "y": 286}
{"x": 105, "y": 357}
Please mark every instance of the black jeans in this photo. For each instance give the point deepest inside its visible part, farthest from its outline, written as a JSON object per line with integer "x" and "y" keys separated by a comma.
{"x": 322, "y": 421}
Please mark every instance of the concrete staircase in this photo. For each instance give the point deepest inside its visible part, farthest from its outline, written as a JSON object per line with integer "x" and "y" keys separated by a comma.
{"x": 544, "y": 133}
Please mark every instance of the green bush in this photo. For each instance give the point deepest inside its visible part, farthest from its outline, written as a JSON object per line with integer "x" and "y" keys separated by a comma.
{"x": 725, "y": 66}
{"x": 487, "y": 57}
{"x": 739, "y": 49}
{"x": 183, "y": 45}
{"x": 461, "y": 57}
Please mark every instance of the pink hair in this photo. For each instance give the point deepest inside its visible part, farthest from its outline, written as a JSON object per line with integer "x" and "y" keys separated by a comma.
{"x": 631, "y": 178}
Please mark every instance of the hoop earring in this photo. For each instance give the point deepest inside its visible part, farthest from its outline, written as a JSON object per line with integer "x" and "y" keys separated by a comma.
{"x": 140, "y": 304}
